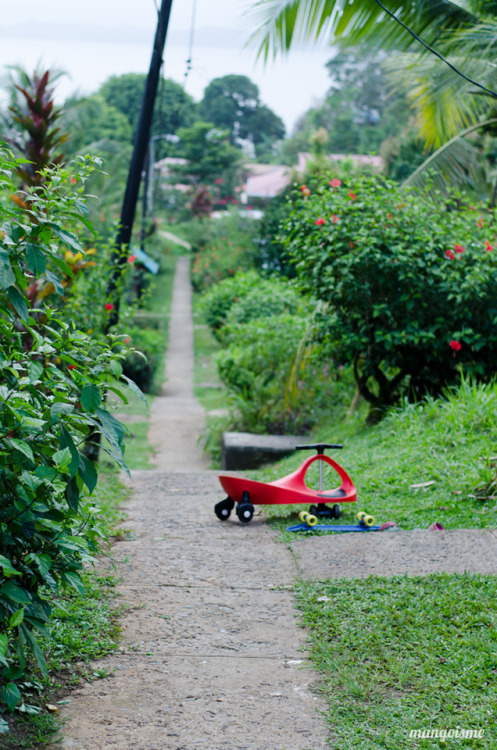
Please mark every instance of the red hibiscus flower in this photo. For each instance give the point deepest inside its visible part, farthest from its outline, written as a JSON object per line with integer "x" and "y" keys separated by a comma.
{"x": 320, "y": 221}
{"x": 335, "y": 182}
{"x": 455, "y": 346}
{"x": 488, "y": 246}
{"x": 109, "y": 306}
{"x": 352, "y": 196}
{"x": 459, "y": 248}
{"x": 450, "y": 254}
{"x": 131, "y": 258}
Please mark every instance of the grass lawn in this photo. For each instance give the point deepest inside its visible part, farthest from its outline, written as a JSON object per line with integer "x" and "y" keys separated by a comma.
{"x": 425, "y": 463}
{"x": 400, "y": 654}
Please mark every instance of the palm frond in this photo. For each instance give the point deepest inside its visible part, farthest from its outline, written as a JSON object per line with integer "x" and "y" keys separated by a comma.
{"x": 451, "y": 163}
{"x": 281, "y": 24}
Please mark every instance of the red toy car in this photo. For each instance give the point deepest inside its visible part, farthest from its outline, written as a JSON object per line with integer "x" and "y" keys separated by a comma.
{"x": 289, "y": 490}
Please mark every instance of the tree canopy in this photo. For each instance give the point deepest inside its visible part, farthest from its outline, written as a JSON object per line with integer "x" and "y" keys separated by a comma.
{"x": 233, "y": 103}
{"x": 174, "y": 108}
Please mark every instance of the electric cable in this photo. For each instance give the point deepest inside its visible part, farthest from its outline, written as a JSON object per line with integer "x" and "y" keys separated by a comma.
{"x": 434, "y": 51}
{"x": 190, "y": 43}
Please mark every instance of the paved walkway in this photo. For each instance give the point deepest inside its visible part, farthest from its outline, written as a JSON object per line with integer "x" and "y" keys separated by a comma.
{"x": 212, "y": 656}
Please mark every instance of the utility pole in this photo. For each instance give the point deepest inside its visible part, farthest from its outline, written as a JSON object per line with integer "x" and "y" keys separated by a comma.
{"x": 140, "y": 146}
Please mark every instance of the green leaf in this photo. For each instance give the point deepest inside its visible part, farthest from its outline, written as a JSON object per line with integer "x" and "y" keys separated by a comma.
{"x": 112, "y": 429}
{"x": 116, "y": 368}
{"x": 62, "y": 459}
{"x": 35, "y": 258}
{"x": 72, "y": 494}
{"x": 90, "y": 397}
{"x": 11, "y": 695}
{"x": 7, "y": 276}
{"x": 55, "y": 281}
{"x": 73, "y": 580}
{"x": 35, "y": 371}
{"x": 18, "y": 302}
{"x": 133, "y": 387}
{"x": 66, "y": 441}
{"x": 87, "y": 472}
{"x": 66, "y": 237}
{"x": 4, "y": 726}
{"x": 60, "y": 408}
{"x": 8, "y": 568}
{"x": 35, "y": 649}
{"x": 15, "y": 592}
{"x": 22, "y": 447}
{"x": 16, "y": 618}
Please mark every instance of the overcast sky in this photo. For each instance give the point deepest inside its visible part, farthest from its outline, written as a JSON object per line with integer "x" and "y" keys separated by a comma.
{"x": 93, "y": 39}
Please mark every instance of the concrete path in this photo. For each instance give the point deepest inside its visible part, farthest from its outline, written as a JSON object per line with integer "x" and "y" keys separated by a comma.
{"x": 177, "y": 419}
{"x": 212, "y": 656}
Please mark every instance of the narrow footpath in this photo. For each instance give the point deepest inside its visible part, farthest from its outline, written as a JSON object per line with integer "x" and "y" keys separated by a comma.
{"x": 212, "y": 655}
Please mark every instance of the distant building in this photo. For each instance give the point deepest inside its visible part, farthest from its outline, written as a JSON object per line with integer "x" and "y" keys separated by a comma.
{"x": 266, "y": 181}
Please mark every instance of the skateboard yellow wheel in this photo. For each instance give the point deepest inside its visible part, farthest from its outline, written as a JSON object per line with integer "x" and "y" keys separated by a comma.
{"x": 311, "y": 520}
{"x": 303, "y": 515}
{"x": 361, "y": 515}
{"x": 368, "y": 520}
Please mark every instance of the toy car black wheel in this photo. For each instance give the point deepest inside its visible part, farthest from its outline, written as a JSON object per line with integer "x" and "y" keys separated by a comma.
{"x": 337, "y": 511}
{"x": 224, "y": 508}
{"x": 245, "y": 511}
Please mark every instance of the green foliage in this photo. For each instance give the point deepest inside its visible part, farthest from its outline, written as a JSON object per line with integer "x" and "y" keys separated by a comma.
{"x": 142, "y": 364}
{"x": 410, "y": 284}
{"x": 222, "y": 247}
{"x": 209, "y": 156}
{"x": 217, "y": 302}
{"x": 270, "y": 388}
{"x": 232, "y": 103}
{"x": 174, "y": 108}
{"x": 52, "y": 405}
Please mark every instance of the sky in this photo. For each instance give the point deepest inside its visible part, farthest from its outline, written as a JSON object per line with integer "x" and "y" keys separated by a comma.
{"x": 93, "y": 39}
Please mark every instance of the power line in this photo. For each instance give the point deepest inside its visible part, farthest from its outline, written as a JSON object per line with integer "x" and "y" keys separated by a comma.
{"x": 190, "y": 43}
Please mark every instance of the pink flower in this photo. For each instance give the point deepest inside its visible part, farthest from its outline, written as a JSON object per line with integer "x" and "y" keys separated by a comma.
{"x": 219, "y": 181}
{"x": 450, "y": 254}
{"x": 458, "y": 248}
{"x": 131, "y": 258}
{"x": 109, "y": 306}
{"x": 335, "y": 182}
{"x": 335, "y": 219}
{"x": 352, "y": 196}
{"x": 320, "y": 221}
{"x": 488, "y": 246}
{"x": 73, "y": 180}
{"x": 305, "y": 190}
{"x": 455, "y": 346}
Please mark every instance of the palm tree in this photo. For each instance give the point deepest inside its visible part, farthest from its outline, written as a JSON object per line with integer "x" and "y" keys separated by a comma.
{"x": 445, "y": 51}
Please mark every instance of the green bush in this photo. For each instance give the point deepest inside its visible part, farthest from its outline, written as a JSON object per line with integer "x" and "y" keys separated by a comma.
{"x": 275, "y": 382}
{"x": 216, "y": 303}
{"x": 410, "y": 284}
{"x": 52, "y": 406}
{"x": 245, "y": 297}
{"x": 142, "y": 364}
{"x": 227, "y": 246}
